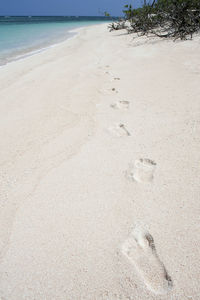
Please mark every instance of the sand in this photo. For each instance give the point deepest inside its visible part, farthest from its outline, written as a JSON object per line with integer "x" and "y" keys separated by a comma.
{"x": 100, "y": 170}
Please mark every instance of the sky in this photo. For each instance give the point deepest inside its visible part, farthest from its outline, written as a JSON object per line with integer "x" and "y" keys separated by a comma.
{"x": 63, "y": 7}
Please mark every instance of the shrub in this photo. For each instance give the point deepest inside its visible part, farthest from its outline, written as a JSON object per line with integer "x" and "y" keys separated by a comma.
{"x": 165, "y": 18}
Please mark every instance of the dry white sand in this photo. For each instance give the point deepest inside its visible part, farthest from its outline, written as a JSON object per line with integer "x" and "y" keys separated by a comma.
{"x": 100, "y": 170}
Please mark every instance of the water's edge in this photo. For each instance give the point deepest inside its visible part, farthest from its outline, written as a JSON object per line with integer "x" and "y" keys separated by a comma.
{"x": 26, "y": 36}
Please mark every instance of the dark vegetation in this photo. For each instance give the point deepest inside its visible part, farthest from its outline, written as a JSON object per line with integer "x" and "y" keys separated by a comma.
{"x": 163, "y": 18}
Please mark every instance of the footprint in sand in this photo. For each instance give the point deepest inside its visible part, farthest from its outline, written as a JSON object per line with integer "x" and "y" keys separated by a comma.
{"x": 140, "y": 250}
{"x": 123, "y": 104}
{"x": 119, "y": 130}
{"x": 142, "y": 171}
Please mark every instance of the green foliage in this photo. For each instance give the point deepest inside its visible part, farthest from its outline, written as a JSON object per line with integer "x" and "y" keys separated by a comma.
{"x": 143, "y": 19}
{"x": 179, "y": 18}
{"x": 165, "y": 18}
{"x": 129, "y": 11}
{"x": 106, "y": 14}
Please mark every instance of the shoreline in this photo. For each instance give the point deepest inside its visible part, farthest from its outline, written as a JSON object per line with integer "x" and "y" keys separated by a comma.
{"x": 38, "y": 50}
{"x": 41, "y": 48}
{"x": 99, "y": 156}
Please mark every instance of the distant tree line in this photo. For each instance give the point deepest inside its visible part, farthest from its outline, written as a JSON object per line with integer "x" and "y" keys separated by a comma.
{"x": 163, "y": 18}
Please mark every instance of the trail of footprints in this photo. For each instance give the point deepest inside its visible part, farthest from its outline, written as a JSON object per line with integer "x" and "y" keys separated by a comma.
{"x": 120, "y": 129}
{"x": 139, "y": 248}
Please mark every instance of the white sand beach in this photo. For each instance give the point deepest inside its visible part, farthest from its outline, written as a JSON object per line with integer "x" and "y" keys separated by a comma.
{"x": 100, "y": 170}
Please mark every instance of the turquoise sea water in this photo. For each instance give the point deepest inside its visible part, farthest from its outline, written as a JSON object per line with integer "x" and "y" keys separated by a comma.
{"x": 21, "y": 36}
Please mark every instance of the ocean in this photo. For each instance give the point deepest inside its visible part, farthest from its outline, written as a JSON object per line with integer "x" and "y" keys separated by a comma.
{"x": 22, "y": 36}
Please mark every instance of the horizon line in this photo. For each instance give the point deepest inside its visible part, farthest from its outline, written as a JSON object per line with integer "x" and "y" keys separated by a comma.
{"x": 76, "y": 16}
